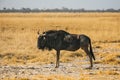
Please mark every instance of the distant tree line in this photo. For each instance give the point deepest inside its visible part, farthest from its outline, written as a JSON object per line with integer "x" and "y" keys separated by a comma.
{"x": 27, "y": 10}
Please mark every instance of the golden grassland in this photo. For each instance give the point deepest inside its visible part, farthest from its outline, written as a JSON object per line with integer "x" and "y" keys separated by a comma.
{"x": 104, "y": 24}
{"x": 18, "y": 32}
{"x": 18, "y": 38}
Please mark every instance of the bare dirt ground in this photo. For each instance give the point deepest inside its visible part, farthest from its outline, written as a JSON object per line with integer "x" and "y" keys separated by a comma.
{"x": 75, "y": 69}
{"x": 66, "y": 69}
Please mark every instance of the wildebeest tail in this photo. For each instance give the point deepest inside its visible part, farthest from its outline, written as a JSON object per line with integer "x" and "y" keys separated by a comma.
{"x": 91, "y": 51}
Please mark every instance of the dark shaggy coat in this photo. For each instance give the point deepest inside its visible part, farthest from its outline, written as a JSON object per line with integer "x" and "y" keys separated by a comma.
{"x": 62, "y": 40}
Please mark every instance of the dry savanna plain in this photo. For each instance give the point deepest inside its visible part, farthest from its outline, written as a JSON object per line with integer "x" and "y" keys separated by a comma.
{"x": 21, "y": 60}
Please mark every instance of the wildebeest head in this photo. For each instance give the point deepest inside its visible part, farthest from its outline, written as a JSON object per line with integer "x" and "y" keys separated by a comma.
{"x": 47, "y": 40}
{"x": 41, "y": 43}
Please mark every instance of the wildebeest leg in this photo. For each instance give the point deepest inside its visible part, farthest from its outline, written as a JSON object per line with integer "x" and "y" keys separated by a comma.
{"x": 89, "y": 55}
{"x": 57, "y": 58}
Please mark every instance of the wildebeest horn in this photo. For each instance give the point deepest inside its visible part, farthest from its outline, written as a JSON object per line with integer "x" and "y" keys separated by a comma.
{"x": 44, "y": 33}
{"x": 38, "y": 32}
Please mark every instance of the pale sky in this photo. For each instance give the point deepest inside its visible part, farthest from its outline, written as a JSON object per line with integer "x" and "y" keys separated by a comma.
{"x": 74, "y": 4}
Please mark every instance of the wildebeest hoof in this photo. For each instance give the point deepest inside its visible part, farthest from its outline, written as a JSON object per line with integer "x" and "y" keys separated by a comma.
{"x": 88, "y": 68}
{"x": 56, "y": 67}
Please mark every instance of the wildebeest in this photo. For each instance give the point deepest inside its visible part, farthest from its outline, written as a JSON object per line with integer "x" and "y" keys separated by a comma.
{"x": 62, "y": 40}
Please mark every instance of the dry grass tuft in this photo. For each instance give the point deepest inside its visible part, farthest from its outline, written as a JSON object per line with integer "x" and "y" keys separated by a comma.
{"x": 109, "y": 58}
{"x": 112, "y": 59}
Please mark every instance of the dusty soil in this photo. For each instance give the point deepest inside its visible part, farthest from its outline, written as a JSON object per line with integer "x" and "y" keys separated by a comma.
{"x": 75, "y": 69}
{"x": 70, "y": 69}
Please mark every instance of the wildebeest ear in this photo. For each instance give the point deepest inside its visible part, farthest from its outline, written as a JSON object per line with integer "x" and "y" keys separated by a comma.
{"x": 38, "y": 33}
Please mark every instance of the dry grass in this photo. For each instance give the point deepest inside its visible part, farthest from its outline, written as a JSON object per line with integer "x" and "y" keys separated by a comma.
{"x": 113, "y": 58}
{"x": 18, "y": 33}
{"x": 104, "y": 24}
{"x": 18, "y": 38}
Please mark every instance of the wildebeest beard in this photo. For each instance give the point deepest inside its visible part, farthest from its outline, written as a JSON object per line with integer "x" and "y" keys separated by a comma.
{"x": 50, "y": 43}
{"x": 44, "y": 43}
{"x": 41, "y": 42}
